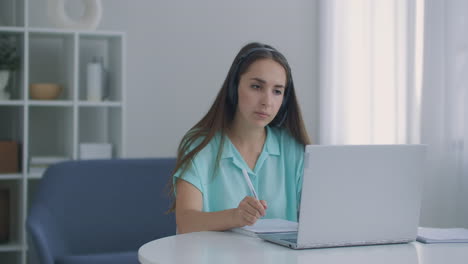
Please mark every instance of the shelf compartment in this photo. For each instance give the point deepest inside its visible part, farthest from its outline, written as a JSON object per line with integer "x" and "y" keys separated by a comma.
{"x": 11, "y": 120}
{"x": 32, "y": 254}
{"x": 110, "y": 49}
{"x": 10, "y": 256}
{"x": 50, "y": 131}
{"x": 101, "y": 125}
{"x": 14, "y": 201}
{"x": 32, "y": 188}
{"x": 15, "y": 82}
{"x": 51, "y": 60}
{"x": 12, "y": 13}
{"x": 12, "y": 125}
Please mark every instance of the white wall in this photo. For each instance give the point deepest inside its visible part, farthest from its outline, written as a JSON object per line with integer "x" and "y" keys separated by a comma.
{"x": 178, "y": 55}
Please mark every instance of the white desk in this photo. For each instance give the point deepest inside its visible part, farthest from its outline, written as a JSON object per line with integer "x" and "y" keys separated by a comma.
{"x": 228, "y": 247}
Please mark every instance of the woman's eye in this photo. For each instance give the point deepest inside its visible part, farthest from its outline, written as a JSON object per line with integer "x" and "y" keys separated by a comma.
{"x": 278, "y": 92}
{"x": 255, "y": 86}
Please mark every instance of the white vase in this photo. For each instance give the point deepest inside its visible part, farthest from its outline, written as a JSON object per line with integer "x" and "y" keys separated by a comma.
{"x": 95, "y": 80}
{"x": 89, "y": 21}
{"x": 4, "y": 76}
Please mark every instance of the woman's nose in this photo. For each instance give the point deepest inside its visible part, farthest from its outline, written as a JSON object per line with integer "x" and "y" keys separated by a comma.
{"x": 267, "y": 98}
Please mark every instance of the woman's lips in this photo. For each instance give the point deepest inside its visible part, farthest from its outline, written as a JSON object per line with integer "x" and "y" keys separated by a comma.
{"x": 262, "y": 114}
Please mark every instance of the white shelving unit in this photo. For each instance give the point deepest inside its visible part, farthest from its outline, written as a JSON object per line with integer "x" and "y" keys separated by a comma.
{"x": 55, "y": 127}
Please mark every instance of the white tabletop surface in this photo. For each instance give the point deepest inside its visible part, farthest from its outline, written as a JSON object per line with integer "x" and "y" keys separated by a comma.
{"x": 228, "y": 247}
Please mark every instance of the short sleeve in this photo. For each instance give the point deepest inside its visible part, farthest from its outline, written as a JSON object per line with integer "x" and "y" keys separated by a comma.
{"x": 190, "y": 175}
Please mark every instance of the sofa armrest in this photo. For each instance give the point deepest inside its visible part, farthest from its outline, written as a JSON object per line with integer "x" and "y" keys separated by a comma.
{"x": 45, "y": 235}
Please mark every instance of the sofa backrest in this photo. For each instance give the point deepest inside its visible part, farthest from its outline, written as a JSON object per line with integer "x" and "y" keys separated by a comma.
{"x": 106, "y": 205}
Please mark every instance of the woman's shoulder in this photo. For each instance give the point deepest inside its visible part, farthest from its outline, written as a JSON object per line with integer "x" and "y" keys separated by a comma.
{"x": 284, "y": 137}
{"x": 203, "y": 162}
{"x": 288, "y": 145}
{"x": 290, "y": 150}
{"x": 206, "y": 153}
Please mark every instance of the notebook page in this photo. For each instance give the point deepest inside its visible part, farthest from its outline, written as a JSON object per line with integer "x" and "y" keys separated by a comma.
{"x": 272, "y": 226}
{"x": 443, "y": 233}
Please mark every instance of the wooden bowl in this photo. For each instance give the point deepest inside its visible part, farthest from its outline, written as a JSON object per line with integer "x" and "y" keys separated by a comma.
{"x": 44, "y": 91}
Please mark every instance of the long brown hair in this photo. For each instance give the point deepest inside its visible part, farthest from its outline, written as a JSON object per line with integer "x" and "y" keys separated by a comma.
{"x": 221, "y": 113}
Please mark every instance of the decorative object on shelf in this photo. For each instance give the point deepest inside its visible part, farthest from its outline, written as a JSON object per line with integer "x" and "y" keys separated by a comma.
{"x": 4, "y": 76}
{"x": 44, "y": 91}
{"x": 4, "y": 215}
{"x": 9, "y": 62}
{"x": 95, "y": 151}
{"x": 89, "y": 21}
{"x": 95, "y": 79}
{"x": 9, "y": 157}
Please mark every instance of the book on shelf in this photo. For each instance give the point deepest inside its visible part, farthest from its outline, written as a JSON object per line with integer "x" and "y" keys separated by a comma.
{"x": 263, "y": 226}
{"x": 37, "y": 170}
{"x": 442, "y": 235}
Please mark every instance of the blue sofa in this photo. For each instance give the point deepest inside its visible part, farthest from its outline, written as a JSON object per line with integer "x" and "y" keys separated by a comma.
{"x": 100, "y": 211}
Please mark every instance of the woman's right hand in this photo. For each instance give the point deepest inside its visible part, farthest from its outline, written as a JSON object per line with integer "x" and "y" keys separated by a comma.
{"x": 249, "y": 211}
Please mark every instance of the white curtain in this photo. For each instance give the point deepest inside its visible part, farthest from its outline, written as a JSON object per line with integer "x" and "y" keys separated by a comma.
{"x": 445, "y": 113}
{"x": 370, "y": 81}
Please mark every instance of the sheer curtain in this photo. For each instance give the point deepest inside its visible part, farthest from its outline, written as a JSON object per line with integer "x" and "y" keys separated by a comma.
{"x": 370, "y": 80}
{"x": 445, "y": 113}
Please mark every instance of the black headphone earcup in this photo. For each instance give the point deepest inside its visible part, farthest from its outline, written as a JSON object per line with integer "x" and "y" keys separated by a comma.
{"x": 281, "y": 117}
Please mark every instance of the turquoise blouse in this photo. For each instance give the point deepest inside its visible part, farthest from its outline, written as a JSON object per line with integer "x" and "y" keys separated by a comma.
{"x": 277, "y": 176}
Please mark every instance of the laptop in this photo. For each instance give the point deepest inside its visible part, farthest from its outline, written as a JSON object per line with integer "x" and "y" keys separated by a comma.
{"x": 357, "y": 195}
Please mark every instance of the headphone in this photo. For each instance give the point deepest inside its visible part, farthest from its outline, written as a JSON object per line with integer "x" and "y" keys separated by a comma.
{"x": 232, "y": 93}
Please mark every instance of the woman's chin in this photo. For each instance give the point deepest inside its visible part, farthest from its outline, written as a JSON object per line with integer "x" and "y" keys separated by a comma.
{"x": 261, "y": 123}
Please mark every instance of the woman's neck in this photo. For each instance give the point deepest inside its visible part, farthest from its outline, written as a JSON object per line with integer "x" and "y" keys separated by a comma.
{"x": 247, "y": 139}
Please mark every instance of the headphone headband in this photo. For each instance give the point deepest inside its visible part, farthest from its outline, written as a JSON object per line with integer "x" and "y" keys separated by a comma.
{"x": 252, "y": 50}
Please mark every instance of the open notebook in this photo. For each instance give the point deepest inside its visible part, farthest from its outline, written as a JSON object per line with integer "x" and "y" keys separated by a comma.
{"x": 265, "y": 226}
{"x": 442, "y": 235}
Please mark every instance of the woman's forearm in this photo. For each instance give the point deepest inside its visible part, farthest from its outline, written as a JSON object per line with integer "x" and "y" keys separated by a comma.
{"x": 193, "y": 221}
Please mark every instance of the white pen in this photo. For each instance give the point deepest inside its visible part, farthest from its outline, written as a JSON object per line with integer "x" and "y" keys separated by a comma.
{"x": 249, "y": 183}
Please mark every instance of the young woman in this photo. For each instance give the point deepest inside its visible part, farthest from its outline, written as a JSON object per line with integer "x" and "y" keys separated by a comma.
{"x": 255, "y": 125}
